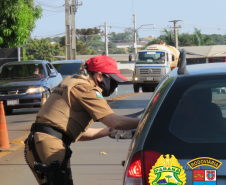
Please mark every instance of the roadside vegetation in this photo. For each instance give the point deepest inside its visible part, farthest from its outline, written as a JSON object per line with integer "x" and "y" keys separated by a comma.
{"x": 186, "y": 39}
{"x": 17, "y": 21}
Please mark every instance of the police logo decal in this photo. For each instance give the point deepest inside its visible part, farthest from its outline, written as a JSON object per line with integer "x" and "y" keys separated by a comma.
{"x": 207, "y": 177}
{"x": 99, "y": 95}
{"x": 167, "y": 171}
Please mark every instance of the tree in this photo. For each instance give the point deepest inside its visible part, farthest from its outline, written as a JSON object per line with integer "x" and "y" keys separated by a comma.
{"x": 89, "y": 36}
{"x": 167, "y": 37}
{"x": 43, "y": 50}
{"x": 126, "y": 36}
{"x": 17, "y": 21}
{"x": 218, "y": 39}
{"x": 199, "y": 39}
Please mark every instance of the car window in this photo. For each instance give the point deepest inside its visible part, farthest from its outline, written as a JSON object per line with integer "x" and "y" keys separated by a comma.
{"x": 48, "y": 69}
{"x": 153, "y": 105}
{"x": 22, "y": 71}
{"x": 191, "y": 120}
{"x": 200, "y": 116}
{"x": 67, "y": 68}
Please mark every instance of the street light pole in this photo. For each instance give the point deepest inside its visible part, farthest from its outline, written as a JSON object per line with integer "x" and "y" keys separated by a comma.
{"x": 135, "y": 36}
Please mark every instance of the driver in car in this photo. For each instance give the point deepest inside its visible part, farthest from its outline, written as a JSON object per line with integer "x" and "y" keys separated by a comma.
{"x": 37, "y": 72}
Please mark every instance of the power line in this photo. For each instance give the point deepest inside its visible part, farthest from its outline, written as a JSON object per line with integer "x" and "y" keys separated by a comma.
{"x": 206, "y": 26}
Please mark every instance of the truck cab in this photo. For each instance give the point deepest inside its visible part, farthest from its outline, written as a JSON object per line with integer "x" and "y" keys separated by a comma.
{"x": 152, "y": 64}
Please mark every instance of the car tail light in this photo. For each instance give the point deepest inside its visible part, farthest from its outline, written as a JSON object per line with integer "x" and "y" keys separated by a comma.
{"x": 134, "y": 171}
{"x": 139, "y": 167}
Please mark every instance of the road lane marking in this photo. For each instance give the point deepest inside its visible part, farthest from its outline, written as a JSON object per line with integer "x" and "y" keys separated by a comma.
{"x": 20, "y": 143}
{"x": 2, "y": 154}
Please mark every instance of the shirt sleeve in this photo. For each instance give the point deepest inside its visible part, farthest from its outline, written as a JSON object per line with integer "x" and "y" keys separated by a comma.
{"x": 93, "y": 102}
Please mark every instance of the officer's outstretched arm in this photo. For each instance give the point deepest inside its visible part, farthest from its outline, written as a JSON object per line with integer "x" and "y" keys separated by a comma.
{"x": 94, "y": 133}
{"x": 120, "y": 122}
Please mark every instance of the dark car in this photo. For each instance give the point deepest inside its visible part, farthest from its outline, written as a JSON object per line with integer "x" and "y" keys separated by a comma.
{"x": 185, "y": 117}
{"x": 23, "y": 83}
{"x": 67, "y": 67}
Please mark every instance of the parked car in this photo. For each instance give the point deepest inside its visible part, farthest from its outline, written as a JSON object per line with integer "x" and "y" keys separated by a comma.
{"x": 185, "y": 117}
{"x": 22, "y": 83}
{"x": 67, "y": 67}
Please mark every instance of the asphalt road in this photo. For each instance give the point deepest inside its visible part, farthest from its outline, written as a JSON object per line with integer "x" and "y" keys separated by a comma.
{"x": 88, "y": 165}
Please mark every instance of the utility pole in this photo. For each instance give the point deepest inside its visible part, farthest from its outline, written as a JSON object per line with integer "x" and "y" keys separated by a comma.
{"x": 67, "y": 30}
{"x": 135, "y": 36}
{"x": 175, "y": 32}
{"x": 74, "y": 7}
{"x": 106, "y": 39}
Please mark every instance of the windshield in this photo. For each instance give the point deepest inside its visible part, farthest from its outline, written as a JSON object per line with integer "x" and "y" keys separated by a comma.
{"x": 22, "y": 71}
{"x": 67, "y": 68}
{"x": 151, "y": 57}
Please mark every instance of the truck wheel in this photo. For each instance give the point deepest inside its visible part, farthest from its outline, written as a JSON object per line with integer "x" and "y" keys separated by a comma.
{"x": 152, "y": 89}
{"x": 144, "y": 89}
{"x": 136, "y": 88}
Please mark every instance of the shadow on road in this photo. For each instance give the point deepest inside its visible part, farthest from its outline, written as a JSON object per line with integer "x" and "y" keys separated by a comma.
{"x": 24, "y": 111}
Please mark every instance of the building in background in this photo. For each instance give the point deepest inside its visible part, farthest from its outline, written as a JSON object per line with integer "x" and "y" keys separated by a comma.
{"x": 205, "y": 54}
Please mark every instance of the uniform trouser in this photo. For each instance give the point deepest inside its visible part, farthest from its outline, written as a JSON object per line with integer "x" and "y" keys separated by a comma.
{"x": 49, "y": 149}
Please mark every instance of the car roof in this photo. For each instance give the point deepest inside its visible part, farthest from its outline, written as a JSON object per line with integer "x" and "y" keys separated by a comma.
{"x": 202, "y": 69}
{"x": 67, "y": 61}
{"x": 27, "y": 62}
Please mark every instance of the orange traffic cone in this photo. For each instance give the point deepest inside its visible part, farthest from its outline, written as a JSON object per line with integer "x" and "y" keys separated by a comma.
{"x": 4, "y": 138}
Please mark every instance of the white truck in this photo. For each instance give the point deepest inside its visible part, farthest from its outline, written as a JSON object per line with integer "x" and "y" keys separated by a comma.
{"x": 152, "y": 64}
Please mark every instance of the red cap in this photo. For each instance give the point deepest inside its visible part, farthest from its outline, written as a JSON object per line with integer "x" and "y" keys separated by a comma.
{"x": 105, "y": 64}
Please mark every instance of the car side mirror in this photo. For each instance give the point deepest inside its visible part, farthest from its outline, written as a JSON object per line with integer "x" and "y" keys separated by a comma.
{"x": 52, "y": 75}
{"x": 173, "y": 57}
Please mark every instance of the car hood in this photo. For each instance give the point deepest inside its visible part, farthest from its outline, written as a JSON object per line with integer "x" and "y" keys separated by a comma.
{"x": 65, "y": 76}
{"x": 15, "y": 83}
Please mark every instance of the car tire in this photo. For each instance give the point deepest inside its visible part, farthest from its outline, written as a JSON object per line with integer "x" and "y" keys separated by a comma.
{"x": 8, "y": 111}
{"x": 136, "y": 88}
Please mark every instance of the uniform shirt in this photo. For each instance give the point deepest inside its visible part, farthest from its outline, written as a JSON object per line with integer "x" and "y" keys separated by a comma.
{"x": 73, "y": 106}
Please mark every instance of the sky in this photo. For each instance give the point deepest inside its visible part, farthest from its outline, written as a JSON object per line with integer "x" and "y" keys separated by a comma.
{"x": 207, "y": 15}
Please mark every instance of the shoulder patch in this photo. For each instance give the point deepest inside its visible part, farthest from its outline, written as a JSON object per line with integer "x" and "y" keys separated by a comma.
{"x": 99, "y": 95}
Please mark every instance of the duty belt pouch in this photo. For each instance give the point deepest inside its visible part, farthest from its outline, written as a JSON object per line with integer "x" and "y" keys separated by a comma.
{"x": 62, "y": 177}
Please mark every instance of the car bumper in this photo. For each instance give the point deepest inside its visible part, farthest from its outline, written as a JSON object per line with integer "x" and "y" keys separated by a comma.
{"x": 25, "y": 101}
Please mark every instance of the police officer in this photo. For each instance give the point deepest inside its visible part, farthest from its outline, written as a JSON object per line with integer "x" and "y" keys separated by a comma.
{"x": 67, "y": 115}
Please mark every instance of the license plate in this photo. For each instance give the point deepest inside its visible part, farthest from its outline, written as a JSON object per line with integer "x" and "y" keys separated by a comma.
{"x": 149, "y": 78}
{"x": 12, "y": 102}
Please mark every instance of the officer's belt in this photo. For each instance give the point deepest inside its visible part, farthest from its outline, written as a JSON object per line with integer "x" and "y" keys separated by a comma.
{"x": 39, "y": 127}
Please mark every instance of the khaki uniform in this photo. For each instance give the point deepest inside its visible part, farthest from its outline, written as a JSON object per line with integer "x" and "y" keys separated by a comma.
{"x": 71, "y": 108}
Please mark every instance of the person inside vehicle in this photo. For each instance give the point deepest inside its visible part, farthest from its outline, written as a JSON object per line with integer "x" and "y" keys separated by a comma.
{"x": 37, "y": 72}
{"x": 162, "y": 57}
{"x": 67, "y": 115}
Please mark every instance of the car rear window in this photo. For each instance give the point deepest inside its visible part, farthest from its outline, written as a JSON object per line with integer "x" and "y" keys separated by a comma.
{"x": 67, "y": 68}
{"x": 191, "y": 122}
{"x": 200, "y": 116}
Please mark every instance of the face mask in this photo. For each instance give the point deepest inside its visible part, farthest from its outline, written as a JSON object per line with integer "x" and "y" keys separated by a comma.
{"x": 107, "y": 85}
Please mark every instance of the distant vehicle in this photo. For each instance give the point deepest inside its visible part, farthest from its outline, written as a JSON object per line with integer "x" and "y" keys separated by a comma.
{"x": 67, "y": 67}
{"x": 152, "y": 64}
{"x": 22, "y": 83}
{"x": 186, "y": 117}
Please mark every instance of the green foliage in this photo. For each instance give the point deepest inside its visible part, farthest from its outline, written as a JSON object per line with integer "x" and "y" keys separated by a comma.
{"x": 219, "y": 39}
{"x": 126, "y": 36}
{"x": 24, "y": 54}
{"x": 186, "y": 39}
{"x": 43, "y": 50}
{"x": 17, "y": 21}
